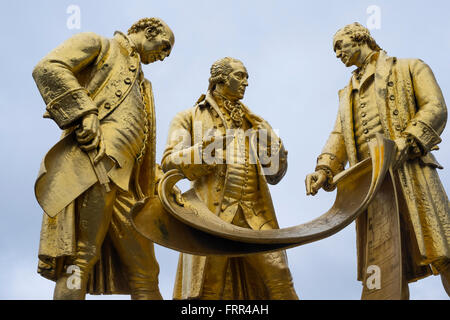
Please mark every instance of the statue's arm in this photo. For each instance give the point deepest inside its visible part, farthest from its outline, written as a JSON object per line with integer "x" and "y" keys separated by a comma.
{"x": 56, "y": 78}
{"x": 180, "y": 152}
{"x": 333, "y": 158}
{"x": 430, "y": 119}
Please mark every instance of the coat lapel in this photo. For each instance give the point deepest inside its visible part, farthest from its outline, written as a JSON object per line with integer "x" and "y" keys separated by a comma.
{"x": 213, "y": 104}
{"x": 346, "y": 113}
{"x": 382, "y": 73}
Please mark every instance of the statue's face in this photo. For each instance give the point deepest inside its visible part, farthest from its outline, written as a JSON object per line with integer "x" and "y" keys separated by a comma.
{"x": 157, "y": 48}
{"x": 236, "y": 83}
{"x": 346, "y": 49}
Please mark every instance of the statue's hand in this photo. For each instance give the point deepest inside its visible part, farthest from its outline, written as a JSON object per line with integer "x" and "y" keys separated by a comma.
{"x": 220, "y": 141}
{"x": 89, "y": 135}
{"x": 178, "y": 197}
{"x": 402, "y": 151}
{"x": 315, "y": 181}
{"x": 263, "y": 128}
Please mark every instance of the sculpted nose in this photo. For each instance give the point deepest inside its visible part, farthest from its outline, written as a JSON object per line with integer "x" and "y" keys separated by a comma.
{"x": 167, "y": 48}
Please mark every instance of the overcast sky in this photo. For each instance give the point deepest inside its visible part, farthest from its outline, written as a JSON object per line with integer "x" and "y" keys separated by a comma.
{"x": 294, "y": 79}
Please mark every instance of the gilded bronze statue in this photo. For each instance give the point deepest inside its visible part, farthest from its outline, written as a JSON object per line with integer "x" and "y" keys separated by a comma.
{"x": 106, "y": 200}
{"x": 231, "y": 179}
{"x": 95, "y": 91}
{"x": 407, "y": 237}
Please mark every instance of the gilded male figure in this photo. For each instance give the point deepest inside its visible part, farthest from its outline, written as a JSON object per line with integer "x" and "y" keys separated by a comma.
{"x": 95, "y": 91}
{"x": 400, "y": 99}
{"x": 233, "y": 186}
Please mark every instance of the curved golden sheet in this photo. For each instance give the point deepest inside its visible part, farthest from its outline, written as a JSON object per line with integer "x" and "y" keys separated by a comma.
{"x": 192, "y": 228}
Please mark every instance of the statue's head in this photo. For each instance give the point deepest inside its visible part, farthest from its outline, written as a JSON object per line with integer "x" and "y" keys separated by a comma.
{"x": 352, "y": 43}
{"x": 229, "y": 76}
{"x": 153, "y": 39}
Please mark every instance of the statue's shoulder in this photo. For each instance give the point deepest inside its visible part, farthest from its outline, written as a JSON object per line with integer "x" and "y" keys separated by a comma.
{"x": 87, "y": 35}
{"x": 185, "y": 117}
{"x": 342, "y": 92}
{"x": 416, "y": 62}
{"x": 413, "y": 66}
{"x": 88, "y": 39}
{"x": 401, "y": 62}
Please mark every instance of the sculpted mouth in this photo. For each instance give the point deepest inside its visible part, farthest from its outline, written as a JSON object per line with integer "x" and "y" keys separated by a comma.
{"x": 155, "y": 57}
{"x": 160, "y": 57}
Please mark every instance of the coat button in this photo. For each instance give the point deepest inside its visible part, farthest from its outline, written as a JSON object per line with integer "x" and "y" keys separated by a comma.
{"x": 392, "y": 97}
{"x": 362, "y": 105}
{"x": 332, "y": 157}
{"x": 364, "y": 123}
{"x": 107, "y": 105}
{"x": 390, "y": 84}
{"x": 366, "y": 131}
{"x": 363, "y": 114}
{"x": 75, "y": 96}
{"x": 216, "y": 203}
{"x": 398, "y": 127}
{"x": 132, "y": 68}
{"x": 127, "y": 81}
{"x": 118, "y": 93}
{"x": 396, "y": 112}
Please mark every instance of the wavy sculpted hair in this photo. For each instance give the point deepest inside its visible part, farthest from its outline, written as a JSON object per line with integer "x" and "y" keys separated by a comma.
{"x": 220, "y": 71}
{"x": 359, "y": 34}
{"x": 155, "y": 24}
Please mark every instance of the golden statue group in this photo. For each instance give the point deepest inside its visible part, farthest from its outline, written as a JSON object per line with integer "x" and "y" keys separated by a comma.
{"x": 91, "y": 181}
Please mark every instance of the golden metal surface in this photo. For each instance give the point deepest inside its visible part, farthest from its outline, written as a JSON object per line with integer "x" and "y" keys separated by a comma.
{"x": 384, "y": 244}
{"x": 406, "y": 230}
{"x": 231, "y": 178}
{"x": 95, "y": 91}
{"x": 194, "y": 229}
{"x": 97, "y": 184}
